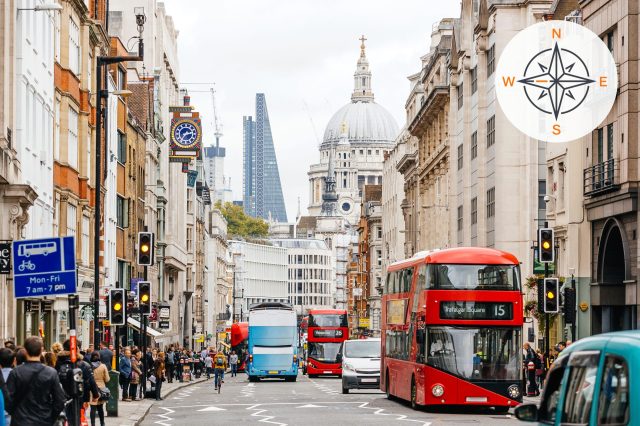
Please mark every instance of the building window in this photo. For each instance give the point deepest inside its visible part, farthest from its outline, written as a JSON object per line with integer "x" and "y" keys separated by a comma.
{"x": 474, "y": 210}
{"x": 85, "y": 240}
{"x": 474, "y": 80}
{"x": 600, "y": 158}
{"x": 474, "y": 145}
{"x": 121, "y": 79}
{"x": 72, "y": 140}
{"x": 74, "y": 47}
{"x": 189, "y": 238}
{"x": 491, "y": 60}
{"x": 491, "y": 202}
{"x": 72, "y": 220}
{"x": 56, "y": 133}
{"x": 542, "y": 191}
{"x": 491, "y": 131}
{"x": 610, "y": 41}
{"x": 122, "y": 147}
{"x": 189, "y": 200}
{"x": 459, "y": 218}
{"x": 460, "y": 156}
{"x": 610, "y": 142}
{"x": 56, "y": 218}
{"x": 379, "y": 232}
{"x": 122, "y": 212}
{"x": 460, "y": 95}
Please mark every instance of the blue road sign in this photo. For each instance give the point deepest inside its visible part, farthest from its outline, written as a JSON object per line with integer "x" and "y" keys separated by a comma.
{"x": 44, "y": 267}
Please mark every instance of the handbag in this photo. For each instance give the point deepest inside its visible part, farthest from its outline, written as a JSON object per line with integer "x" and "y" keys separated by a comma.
{"x": 105, "y": 394}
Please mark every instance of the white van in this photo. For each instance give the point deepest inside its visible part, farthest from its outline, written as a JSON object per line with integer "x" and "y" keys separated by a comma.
{"x": 360, "y": 364}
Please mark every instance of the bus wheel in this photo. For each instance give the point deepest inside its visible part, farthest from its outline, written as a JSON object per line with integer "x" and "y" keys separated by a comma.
{"x": 501, "y": 410}
{"x": 253, "y": 379}
{"x": 313, "y": 376}
{"x": 387, "y": 386}
{"x": 290, "y": 378}
{"x": 414, "y": 394}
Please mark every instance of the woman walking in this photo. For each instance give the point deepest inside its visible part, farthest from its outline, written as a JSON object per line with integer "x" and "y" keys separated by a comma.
{"x": 159, "y": 372}
{"x": 136, "y": 373}
{"x": 101, "y": 376}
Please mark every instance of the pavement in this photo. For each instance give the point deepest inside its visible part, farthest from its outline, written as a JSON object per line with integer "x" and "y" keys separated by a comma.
{"x": 131, "y": 413}
{"x": 317, "y": 401}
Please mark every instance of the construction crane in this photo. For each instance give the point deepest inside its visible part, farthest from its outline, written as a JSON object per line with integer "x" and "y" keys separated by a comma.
{"x": 217, "y": 122}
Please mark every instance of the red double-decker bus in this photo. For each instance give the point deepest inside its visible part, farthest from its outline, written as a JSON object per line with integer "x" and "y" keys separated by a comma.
{"x": 452, "y": 329}
{"x": 239, "y": 341}
{"x": 327, "y": 329}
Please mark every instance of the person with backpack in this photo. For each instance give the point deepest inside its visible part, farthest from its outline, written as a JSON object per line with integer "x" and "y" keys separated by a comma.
{"x": 64, "y": 366}
{"x": 34, "y": 394}
{"x": 219, "y": 365}
{"x": 101, "y": 375}
{"x": 532, "y": 362}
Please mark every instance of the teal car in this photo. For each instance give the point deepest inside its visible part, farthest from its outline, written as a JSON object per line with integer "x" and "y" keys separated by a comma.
{"x": 592, "y": 382}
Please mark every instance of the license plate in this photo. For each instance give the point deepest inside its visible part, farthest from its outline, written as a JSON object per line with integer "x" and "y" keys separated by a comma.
{"x": 368, "y": 380}
{"x": 273, "y": 372}
{"x": 328, "y": 372}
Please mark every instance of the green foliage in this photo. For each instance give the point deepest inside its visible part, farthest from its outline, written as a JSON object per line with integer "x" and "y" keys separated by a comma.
{"x": 240, "y": 224}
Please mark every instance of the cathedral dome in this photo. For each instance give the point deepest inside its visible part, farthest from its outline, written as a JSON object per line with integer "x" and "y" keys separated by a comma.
{"x": 365, "y": 122}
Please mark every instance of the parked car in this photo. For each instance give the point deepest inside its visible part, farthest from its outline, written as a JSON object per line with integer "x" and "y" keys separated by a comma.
{"x": 360, "y": 364}
{"x": 592, "y": 382}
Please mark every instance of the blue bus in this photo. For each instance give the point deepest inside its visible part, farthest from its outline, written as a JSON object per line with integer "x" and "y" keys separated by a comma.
{"x": 273, "y": 342}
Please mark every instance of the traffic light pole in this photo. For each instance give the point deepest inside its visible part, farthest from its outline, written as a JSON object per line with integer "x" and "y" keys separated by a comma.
{"x": 546, "y": 316}
{"x": 144, "y": 317}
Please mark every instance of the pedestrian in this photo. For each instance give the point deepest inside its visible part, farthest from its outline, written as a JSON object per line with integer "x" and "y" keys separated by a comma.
{"x": 7, "y": 358}
{"x": 10, "y": 345}
{"x": 208, "y": 365}
{"x": 35, "y": 397}
{"x": 101, "y": 375}
{"x": 125, "y": 374}
{"x": 569, "y": 342}
{"x": 106, "y": 355}
{"x": 561, "y": 347}
{"x": 64, "y": 366}
{"x": 159, "y": 372}
{"x": 532, "y": 362}
{"x": 50, "y": 359}
{"x": 170, "y": 363}
{"x": 219, "y": 365}
{"x": 136, "y": 373}
{"x": 21, "y": 356}
{"x": 56, "y": 348}
{"x": 233, "y": 361}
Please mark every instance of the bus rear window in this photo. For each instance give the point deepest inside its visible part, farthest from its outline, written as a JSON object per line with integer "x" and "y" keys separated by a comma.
{"x": 477, "y": 277}
{"x": 328, "y": 320}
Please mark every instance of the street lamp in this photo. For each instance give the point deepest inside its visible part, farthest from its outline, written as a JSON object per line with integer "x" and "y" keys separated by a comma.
{"x": 55, "y": 7}
{"x": 101, "y": 62}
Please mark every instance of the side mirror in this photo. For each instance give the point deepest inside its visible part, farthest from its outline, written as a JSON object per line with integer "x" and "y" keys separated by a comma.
{"x": 527, "y": 412}
{"x": 339, "y": 357}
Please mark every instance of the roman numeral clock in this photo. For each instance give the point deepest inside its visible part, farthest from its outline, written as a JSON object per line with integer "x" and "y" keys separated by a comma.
{"x": 556, "y": 81}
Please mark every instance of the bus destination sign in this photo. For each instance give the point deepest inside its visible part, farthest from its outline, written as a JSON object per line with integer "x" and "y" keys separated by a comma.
{"x": 464, "y": 310}
{"x": 327, "y": 333}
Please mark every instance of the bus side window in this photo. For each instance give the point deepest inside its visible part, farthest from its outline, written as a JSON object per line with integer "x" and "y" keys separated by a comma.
{"x": 408, "y": 275}
{"x": 388, "y": 284}
{"x": 397, "y": 288}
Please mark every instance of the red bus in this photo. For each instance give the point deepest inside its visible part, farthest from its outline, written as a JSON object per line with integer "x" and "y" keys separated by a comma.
{"x": 240, "y": 341}
{"x": 452, "y": 329}
{"x": 327, "y": 329}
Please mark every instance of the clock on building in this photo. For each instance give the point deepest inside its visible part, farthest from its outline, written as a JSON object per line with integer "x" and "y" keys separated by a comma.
{"x": 185, "y": 134}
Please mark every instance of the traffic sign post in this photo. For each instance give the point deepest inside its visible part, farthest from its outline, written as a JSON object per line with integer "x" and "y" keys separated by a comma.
{"x": 44, "y": 267}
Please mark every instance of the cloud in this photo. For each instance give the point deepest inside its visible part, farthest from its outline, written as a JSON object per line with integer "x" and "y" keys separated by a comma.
{"x": 302, "y": 55}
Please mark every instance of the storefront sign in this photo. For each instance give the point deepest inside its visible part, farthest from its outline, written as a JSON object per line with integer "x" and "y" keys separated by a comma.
{"x": 163, "y": 324}
{"x": 5, "y": 258}
{"x": 363, "y": 323}
{"x": 164, "y": 313}
{"x": 464, "y": 310}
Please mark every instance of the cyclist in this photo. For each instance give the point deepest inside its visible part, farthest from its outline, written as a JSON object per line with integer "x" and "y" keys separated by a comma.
{"x": 219, "y": 365}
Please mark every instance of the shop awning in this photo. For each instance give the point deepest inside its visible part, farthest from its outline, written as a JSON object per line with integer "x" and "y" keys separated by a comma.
{"x": 136, "y": 324}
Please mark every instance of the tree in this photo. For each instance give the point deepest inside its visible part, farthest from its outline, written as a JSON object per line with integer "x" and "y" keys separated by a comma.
{"x": 240, "y": 224}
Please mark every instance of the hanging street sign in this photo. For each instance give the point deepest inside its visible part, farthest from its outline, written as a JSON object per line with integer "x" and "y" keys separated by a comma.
{"x": 5, "y": 258}
{"x": 44, "y": 267}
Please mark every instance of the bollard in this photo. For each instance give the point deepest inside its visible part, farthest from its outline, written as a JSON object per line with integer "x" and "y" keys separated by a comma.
{"x": 114, "y": 388}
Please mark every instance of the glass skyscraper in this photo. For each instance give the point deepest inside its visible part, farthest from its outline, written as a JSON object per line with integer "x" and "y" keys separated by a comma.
{"x": 262, "y": 191}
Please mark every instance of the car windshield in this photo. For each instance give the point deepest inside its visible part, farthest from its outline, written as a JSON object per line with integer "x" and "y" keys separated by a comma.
{"x": 362, "y": 349}
{"x": 328, "y": 320}
{"x": 483, "y": 354}
{"x": 477, "y": 277}
{"x": 326, "y": 352}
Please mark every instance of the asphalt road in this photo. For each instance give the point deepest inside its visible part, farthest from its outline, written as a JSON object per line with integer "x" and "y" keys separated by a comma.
{"x": 317, "y": 401}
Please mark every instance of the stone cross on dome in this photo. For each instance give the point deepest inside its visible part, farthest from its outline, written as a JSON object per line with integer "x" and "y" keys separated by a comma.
{"x": 362, "y": 77}
{"x": 362, "y": 46}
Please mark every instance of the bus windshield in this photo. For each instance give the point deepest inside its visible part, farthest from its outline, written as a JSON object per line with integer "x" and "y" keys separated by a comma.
{"x": 476, "y": 277}
{"x": 328, "y": 320}
{"x": 326, "y": 352}
{"x": 482, "y": 354}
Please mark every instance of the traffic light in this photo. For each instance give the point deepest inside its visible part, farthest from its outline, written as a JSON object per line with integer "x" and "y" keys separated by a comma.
{"x": 551, "y": 295}
{"x": 144, "y": 297}
{"x": 117, "y": 303}
{"x": 569, "y": 307}
{"x": 546, "y": 247}
{"x": 145, "y": 248}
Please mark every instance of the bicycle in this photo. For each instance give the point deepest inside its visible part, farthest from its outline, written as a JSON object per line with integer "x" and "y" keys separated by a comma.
{"x": 218, "y": 380}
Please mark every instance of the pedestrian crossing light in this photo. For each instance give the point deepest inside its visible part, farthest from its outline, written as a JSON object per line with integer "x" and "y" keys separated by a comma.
{"x": 144, "y": 297}
{"x": 145, "y": 248}
{"x": 551, "y": 295}
{"x": 546, "y": 245}
{"x": 116, "y": 306}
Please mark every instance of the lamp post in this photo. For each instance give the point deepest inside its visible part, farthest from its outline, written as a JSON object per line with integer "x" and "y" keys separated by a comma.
{"x": 100, "y": 95}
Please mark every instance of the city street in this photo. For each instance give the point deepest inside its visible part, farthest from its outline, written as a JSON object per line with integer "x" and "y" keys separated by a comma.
{"x": 317, "y": 401}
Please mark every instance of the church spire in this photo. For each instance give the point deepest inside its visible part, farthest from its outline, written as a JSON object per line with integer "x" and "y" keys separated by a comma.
{"x": 362, "y": 77}
{"x": 329, "y": 197}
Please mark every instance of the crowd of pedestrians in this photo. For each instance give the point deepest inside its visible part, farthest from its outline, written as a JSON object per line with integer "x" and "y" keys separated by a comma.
{"x": 536, "y": 368}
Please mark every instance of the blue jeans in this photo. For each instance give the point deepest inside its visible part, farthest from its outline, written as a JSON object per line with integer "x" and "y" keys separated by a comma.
{"x": 234, "y": 370}
{"x": 218, "y": 372}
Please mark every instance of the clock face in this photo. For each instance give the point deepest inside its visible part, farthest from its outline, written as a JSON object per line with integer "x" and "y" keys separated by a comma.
{"x": 186, "y": 134}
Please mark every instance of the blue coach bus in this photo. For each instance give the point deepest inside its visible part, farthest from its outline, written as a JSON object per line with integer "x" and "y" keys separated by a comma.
{"x": 273, "y": 342}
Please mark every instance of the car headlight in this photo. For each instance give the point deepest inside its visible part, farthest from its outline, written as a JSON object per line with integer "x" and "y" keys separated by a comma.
{"x": 514, "y": 391}
{"x": 437, "y": 390}
{"x": 348, "y": 367}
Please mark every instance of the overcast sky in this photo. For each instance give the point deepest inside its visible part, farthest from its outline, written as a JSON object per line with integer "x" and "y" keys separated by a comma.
{"x": 302, "y": 54}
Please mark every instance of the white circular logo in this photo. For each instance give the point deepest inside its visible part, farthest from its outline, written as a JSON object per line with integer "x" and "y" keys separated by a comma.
{"x": 556, "y": 81}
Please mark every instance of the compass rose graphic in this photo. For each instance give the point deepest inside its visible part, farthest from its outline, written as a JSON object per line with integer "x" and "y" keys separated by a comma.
{"x": 557, "y": 80}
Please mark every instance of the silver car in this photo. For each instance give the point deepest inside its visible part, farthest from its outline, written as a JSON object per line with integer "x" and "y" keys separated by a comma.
{"x": 360, "y": 364}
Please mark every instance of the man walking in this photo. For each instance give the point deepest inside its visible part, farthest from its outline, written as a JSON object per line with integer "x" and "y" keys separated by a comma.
{"x": 531, "y": 362}
{"x": 35, "y": 396}
{"x": 106, "y": 355}
{"x": 233, "y": 360}
{"x": 170, "y": 362}
{"x": 7, "y": 358}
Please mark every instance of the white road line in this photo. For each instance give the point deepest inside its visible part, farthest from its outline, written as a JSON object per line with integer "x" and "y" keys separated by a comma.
{"x": 402, "y": 417}
{"x": 164, "y": 417}
{"x": 265, "y": 419}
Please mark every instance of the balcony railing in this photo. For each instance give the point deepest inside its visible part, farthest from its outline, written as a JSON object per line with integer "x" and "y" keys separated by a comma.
{"x": 602, "y": 177}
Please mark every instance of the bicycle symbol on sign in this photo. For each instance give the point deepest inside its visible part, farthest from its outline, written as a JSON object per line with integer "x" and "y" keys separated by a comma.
{"x": 26, "y": 264}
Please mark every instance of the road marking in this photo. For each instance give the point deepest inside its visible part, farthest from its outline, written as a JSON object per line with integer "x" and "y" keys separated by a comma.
{"x": 213, "y": 409}
{"x": 312, "y": 406}
{"x": 165, "y": 418}
{"x": 265, "y": 419}
{"x": 401, "y": 417}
